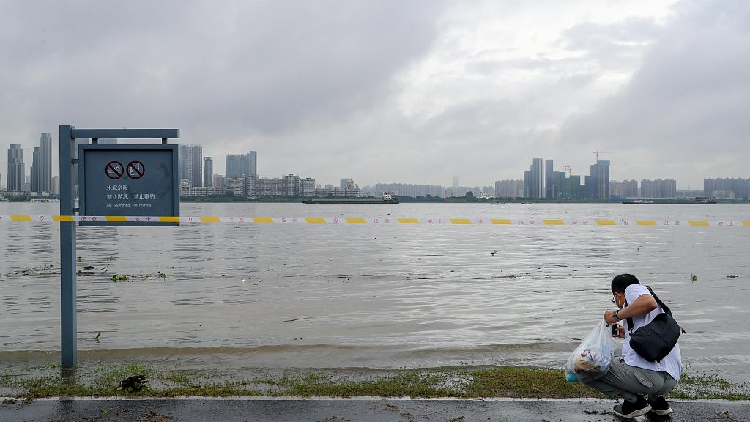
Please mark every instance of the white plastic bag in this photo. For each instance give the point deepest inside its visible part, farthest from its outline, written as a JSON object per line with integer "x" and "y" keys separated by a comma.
{"x": 591, "y": 359}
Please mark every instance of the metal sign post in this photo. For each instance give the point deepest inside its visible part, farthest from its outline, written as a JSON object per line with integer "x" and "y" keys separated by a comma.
{"x": 135, "y": 170}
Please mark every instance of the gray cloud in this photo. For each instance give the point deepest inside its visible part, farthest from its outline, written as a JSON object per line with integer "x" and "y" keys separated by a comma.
{"x": 231, "y": 74}
{"x": 688, "y": 102}
{"x": 613, "y": 46}
{"x": 388, "y": 90}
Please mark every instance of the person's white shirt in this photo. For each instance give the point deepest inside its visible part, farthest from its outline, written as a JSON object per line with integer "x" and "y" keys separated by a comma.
{"x": 672, "y": 363}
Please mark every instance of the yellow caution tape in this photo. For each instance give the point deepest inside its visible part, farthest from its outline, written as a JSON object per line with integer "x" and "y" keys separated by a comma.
{"x": 429, "y": 221}
{"x": 606, "y": 223}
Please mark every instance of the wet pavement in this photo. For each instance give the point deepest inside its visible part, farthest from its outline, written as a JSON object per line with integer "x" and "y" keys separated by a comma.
{"x": 340, "y": 410}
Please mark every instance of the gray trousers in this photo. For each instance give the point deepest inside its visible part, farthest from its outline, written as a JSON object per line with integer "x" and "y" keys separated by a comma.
{"x": 622, "y": 376}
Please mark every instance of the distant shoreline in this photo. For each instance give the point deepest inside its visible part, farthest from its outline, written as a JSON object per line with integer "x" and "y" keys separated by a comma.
{"x": 424, "y": 200}
{"x": 459, "y": 200}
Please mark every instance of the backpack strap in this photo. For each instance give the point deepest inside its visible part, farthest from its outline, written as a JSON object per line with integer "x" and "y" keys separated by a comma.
{"x": 664, "y": 307}
{"x": 629, "y": 320}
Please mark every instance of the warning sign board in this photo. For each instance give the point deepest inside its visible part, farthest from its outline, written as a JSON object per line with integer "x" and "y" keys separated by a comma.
{"x": 128, "y": 190}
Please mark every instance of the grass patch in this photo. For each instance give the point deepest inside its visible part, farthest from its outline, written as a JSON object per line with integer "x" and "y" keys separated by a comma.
{"x": 525, "y": 382}
{"x": 709, "y": 386}
{"x": 402, "y": 384}
{"x": 461, "y": 382}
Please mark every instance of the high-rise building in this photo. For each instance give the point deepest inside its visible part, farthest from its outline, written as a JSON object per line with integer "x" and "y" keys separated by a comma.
{"x": 455, "y": 182}
{"x": 307, "y": 186}
{"x": 291, "y": 185}
{"x": 407, "y": 189}
{"x": 624, "y": 189}
{"x": 557, "y": 181}
{"x": 236, "y": 166}
{"x": 16, "y": 168}
{"x": 526, "y": 184}
{"x": 549, "y": 179}
{"x": 240, "y": 165}
{"x": 597, "y": 183}
{"x": 345, "y": 183}
{"x": 218, "y": 181}
{"x": 266, "y": 187}
{"x": 41, "y": 165}
{"x": 208, "y": 172}
{"x": 534, "y": 181}
{"x": 191, "y": 163}
{"x": 740, "y": 187}
{"x": 509, "y": 189}
{"x": 35, "y": 164}
{"x": 658, "y": 188}
{"x": 253, "y": 163}
{"x": 44, "y": 172}
{"x": 572, "y": 187}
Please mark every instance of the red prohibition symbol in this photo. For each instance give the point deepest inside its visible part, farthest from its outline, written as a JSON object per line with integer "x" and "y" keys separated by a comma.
{"x": 113, "y": 170}
{"x": 136, "y": 169}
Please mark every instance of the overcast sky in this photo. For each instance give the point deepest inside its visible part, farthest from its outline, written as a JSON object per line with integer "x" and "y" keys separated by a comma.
{"x": 413, "y": 91}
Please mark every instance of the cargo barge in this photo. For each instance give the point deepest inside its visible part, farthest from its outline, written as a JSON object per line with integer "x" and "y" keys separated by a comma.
{"x": 385, "y": 199}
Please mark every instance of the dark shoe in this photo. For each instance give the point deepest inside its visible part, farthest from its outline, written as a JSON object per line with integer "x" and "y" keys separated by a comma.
{"x": 660, "y": 406}
{"x": 630, "y": 410}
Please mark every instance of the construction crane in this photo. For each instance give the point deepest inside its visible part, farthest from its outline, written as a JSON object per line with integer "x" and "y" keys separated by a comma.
{"x": 597, "y": 154}
{"x": 569, "y": 169}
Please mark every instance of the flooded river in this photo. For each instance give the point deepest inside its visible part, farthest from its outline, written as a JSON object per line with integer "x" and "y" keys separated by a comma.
{"x": 376, "y": 296}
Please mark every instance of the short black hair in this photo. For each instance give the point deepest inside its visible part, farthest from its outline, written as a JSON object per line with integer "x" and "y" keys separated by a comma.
{"x": 622, "y": 281}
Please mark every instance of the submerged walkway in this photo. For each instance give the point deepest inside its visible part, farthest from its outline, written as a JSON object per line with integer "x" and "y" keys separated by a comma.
{"x": 355, "y": 410}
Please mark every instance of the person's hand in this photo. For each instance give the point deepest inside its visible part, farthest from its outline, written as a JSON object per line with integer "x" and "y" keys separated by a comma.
{"x": 608, "y": 318}
{"x": 620, "y": 331}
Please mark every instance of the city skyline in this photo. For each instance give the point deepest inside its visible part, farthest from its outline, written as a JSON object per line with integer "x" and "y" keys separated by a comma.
{"x": 540, "y": 181}
{"x": 542, "y": 167}
{"x": 451, "y": 88}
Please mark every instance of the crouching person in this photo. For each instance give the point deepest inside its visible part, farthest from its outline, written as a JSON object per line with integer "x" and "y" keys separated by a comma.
{"x": 642, "y": 384}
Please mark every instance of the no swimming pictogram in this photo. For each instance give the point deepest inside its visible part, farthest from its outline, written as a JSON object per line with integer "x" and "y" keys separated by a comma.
{"x": 113, "y": 170}
{"x": 136, "y": 169}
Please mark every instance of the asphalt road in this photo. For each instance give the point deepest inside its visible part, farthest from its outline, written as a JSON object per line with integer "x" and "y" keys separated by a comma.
{"x": 340, "y": 410}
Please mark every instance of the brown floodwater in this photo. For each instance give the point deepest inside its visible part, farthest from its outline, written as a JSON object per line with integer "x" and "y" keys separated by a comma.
{"x": 338, "y": 296}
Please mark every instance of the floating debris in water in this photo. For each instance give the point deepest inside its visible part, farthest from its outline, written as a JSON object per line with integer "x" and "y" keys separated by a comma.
{"x": 732, "y": 276}
{"x": 693, "y": 278}
{"x": 119, "y": 277}
{"x": 97, "y": 337}
{"x": 493, "y": 252}
{"x": 88, "y": 267}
